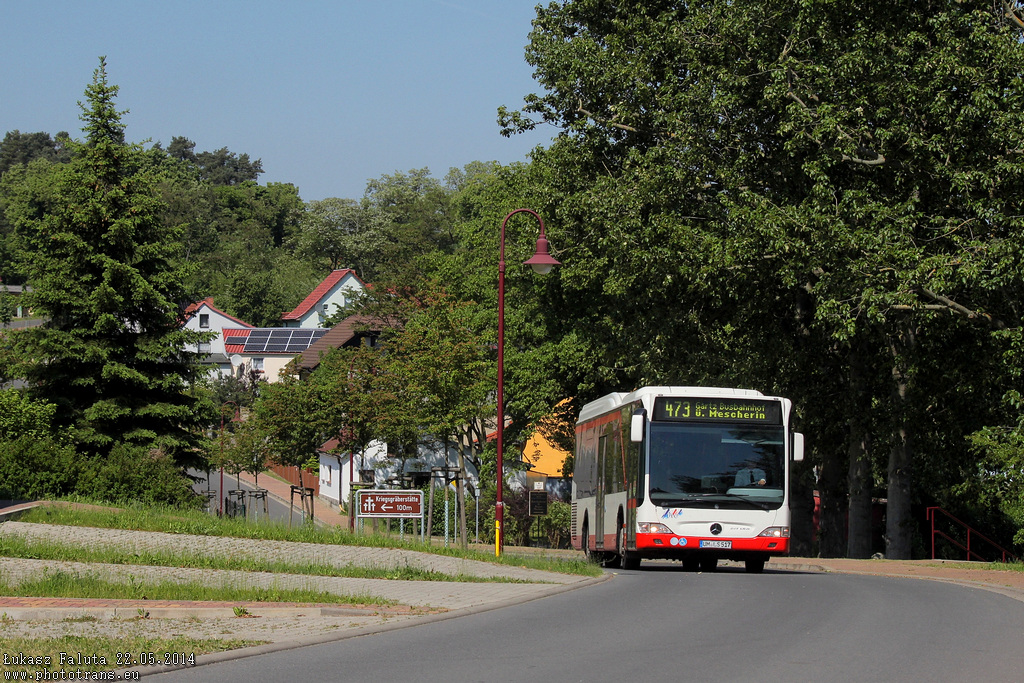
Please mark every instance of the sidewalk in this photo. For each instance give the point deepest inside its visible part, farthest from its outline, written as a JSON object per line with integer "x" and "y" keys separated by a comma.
{"x": 323, "y": 512}
{"x": 1006, "y": 582}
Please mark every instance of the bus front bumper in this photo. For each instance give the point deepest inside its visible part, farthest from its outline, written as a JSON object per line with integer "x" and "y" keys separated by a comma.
{"x": 661, "y": 545}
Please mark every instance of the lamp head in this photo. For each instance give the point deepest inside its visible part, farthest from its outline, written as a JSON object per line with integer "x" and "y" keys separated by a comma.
{"x": 542, "y": 262}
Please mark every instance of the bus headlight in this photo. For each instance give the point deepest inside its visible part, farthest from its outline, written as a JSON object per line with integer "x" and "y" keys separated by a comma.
{"x": 652, "y": 528}
{"x": 776, "y": 532}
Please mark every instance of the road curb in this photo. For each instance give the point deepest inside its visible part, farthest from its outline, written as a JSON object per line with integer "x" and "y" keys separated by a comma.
{"x": 142, "y": 610}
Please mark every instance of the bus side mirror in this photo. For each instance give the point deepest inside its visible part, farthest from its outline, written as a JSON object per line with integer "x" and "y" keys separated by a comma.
{"x": 798, "y": 446}
{"x": 636, "y": 428}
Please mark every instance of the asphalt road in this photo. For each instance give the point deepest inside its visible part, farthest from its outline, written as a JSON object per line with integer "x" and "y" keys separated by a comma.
{"x": 660, "y": 624}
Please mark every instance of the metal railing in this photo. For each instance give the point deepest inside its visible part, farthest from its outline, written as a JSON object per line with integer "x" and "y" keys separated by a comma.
{"x": 972, "y": 543}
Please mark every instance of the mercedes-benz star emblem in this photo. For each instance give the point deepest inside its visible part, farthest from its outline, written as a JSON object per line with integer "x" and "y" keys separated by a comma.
{"x": 716, "y": 528}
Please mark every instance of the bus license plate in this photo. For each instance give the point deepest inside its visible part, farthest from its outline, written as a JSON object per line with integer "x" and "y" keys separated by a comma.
{"x": 716, "y": 544}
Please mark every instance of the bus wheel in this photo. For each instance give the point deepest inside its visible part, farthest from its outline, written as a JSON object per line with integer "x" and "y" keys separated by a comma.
{"x": 708, "y": 564}
{"x": 754, "y": 565}
{"x": 626, "y": 560}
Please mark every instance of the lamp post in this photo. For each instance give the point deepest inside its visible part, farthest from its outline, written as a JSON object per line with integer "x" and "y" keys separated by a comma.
{"x": 220, "y": 508}
{"x": 542, "y": 263}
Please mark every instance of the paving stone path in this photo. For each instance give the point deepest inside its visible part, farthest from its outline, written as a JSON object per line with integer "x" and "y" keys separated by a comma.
{"x": 435, "y": 594}
{"x": 282, "y": 624}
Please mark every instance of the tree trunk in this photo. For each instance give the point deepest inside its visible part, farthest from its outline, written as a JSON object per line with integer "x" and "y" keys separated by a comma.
{"x": 860, "y": 483}
{"x": 899, "y": 523}
{"x": 802, "y": 505}
{"x": 859, "y": 479}
{"x": 831, "y": 527}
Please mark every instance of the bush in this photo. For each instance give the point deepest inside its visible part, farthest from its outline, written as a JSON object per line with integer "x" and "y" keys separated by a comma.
{"x": 37, "y": 467}
{"x": 133, "y": 473}
{"x": 557, "y": 524}
{"x": 520, "y": 526}
{"x": 21, "y": 416}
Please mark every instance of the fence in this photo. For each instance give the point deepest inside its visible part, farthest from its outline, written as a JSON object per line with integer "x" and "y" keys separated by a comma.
{"x": 966, "y": 539}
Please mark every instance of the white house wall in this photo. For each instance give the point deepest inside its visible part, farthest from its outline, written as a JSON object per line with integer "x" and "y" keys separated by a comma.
{"x": 217, "y": 321}
{"x": 336, "y": 475}
{"x": 337, "y": 298}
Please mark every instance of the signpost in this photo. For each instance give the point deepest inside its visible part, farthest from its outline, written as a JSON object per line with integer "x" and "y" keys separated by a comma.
{"x": 377, "y": 504}
{"x": 538, "y": 500}
{"x": 538, "y": 503}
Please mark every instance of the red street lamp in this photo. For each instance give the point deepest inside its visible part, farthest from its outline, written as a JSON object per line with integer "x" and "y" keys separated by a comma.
{"x": 220, "y": 508}
{"x": 542, "y": 262}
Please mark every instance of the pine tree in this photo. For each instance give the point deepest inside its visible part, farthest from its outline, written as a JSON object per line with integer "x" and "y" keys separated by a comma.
{"x": 103, "y": 268}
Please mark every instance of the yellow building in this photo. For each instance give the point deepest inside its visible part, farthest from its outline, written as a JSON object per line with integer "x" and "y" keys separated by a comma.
{"x": 546, "y": 457}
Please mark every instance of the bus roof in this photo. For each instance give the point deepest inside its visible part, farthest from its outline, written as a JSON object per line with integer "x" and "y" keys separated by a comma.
{"x": 618, "y": 399}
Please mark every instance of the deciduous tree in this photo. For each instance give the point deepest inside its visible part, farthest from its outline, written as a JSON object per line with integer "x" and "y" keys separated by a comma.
{"x": 342, "y": 233}
{"x": 759, "y": 193}
{"x": 292, "y": 417}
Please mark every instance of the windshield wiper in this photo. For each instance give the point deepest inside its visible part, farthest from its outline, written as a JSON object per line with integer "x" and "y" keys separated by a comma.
{"x": 736, "y": 496}
{"x": 674, "y": 500}
{"x": 707, "y": 498}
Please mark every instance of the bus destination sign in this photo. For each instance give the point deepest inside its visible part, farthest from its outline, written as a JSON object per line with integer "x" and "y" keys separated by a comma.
{"x": 742, "y": 411}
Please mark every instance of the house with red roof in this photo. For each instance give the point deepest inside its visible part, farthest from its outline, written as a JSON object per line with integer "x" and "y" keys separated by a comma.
{"x": 267, "y": 350}
{"x": 203, "y": 316}
{"x": 335, "y": 293}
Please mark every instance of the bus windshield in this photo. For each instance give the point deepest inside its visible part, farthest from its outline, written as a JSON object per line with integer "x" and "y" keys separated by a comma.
{"x": 716, "y": 465}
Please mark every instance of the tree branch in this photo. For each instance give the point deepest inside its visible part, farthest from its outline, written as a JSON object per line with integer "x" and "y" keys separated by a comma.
{"x": 927, "y": 307}
{"x": 607, "y": 122}
{"x": 961, "y": 309}
{"x": 877, "y": 161}
{"x": 1012, "y": 15}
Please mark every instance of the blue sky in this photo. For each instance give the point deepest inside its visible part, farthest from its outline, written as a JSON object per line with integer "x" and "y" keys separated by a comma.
{"x": 328, "y": 94}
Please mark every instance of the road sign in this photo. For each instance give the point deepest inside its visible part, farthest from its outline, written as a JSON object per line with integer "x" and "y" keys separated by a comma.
{"x": 400, "y": 504}
{"x": 538, "y": 503}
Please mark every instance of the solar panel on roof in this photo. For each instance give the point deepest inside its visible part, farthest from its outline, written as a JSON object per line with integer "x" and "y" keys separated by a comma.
{"x": 257, "y": 341}
{"x": 282, "y": 340}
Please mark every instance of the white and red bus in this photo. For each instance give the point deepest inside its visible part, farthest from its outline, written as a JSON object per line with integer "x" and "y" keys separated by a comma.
{"x": 695, "y": 474}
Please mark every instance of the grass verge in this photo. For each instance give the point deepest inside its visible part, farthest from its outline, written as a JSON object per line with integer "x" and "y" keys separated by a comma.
{"x": 62, "y": 584}
{"x": 13, "y": 546}
{"x": 170, "y": 520}
{"x": 989, "y": 566}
